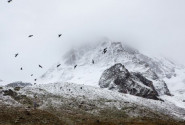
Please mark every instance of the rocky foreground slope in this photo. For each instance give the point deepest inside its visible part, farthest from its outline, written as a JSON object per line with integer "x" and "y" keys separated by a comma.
{"x": 74, "y": 104}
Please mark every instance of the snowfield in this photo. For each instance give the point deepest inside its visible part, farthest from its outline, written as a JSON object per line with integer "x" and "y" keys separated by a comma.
{"x": 155, "y": 69}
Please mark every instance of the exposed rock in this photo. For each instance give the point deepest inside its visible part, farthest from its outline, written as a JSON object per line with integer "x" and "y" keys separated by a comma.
{"x": 119, "y": 78}
{"x": 9, "y": 92}
{"x": 23, "y": 99}
{"x": 18, "y": 84}
{"x": 17, "y": 88}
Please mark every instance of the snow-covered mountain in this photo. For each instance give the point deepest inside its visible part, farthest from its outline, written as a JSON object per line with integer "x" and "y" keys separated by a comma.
{"x": 87, "y": 73}
{"x": 91, "y": 60}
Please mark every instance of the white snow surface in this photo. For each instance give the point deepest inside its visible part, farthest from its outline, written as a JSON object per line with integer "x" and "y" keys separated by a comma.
{"x": 89, "y": 74}
{"x": 71, "y": 90}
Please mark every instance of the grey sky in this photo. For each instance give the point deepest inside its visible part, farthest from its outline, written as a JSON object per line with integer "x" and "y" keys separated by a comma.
{"x": 152, "y": 26}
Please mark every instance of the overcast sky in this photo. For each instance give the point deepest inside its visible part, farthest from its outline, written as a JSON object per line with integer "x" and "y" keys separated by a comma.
{"x": 152, "y": 26}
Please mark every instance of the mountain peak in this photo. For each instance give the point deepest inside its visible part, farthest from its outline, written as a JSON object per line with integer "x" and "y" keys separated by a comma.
{"x": 85, "y": 65}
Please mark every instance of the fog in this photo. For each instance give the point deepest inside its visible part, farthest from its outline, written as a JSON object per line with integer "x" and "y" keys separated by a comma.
{"x": 153, "y": 26}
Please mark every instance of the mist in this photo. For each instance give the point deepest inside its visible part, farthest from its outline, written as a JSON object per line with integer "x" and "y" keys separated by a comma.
{"x": 154, "y": 27}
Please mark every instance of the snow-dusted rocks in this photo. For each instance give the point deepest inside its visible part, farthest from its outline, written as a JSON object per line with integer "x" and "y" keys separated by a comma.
{"x": 18, "y": 84}
{"x": 119, "y": 78}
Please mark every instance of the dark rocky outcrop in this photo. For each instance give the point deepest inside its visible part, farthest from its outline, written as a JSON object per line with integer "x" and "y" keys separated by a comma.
{"x": 23, "y": 99}
{"x": 9, "y": 92}
{"x": 17, "y": 88}
{"x": 119, "y": 78}
{"x": 18, "y": 84}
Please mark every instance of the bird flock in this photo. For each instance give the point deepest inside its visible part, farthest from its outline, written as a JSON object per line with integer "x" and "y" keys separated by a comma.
{"x": 40, "y": 66}
{"x": 58, "y": 65}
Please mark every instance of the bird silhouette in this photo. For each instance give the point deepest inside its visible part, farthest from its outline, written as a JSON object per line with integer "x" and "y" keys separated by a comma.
{"x": 58, "y": 65}
{"x": 31, "y": 74}
{"x": 16, "y": 54}
{"x": 9, "y": 1}
{"x": 35, "y": 79}
{"x": 21, "y": 68}
{"x": 92, "y": 61}
{"x": 105, "y": 50}
{"x": 59, "y": 35}
{"x": 30, "y": 36}
{"x": 75, "y": 66}
{"x": 40, "y": 66}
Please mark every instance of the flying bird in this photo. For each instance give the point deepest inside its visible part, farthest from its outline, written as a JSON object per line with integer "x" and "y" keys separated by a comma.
{"x": 30, "y": 36}
{"x": 75, "y": 66}
{"x": 92, "y": 61}
{"x": 105, "y": 50}
{"x": 59, "y": 35}
{"x": 58, "y": 65}
{"x": 35, "y": 79}
{"x": 9, "y": 1}
{"x": 31, "y": 74}
{"x": 21, "y": 68}
{"x": 40, "y": 66}
{"x": 16, "y": 54}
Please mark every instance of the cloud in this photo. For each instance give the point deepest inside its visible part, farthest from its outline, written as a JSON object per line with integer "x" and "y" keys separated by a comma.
{"x": 155, "y": 26}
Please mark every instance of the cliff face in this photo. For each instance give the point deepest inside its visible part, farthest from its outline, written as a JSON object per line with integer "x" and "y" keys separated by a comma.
{"x": 119, "y": 78}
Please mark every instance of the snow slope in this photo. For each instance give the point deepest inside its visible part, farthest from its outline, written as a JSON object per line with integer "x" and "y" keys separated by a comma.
{"x": 111, "y": 98}
{"x": 159, "y": 70}
{"x": 89, "y": 74}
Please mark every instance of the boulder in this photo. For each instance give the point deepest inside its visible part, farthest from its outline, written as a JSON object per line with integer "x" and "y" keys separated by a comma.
{"x": 119, "y": 78}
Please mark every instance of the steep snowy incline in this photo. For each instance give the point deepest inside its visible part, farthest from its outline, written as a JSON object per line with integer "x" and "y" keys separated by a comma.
{"x": 88, "y": 73}
{"x": 162, "y": 72}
